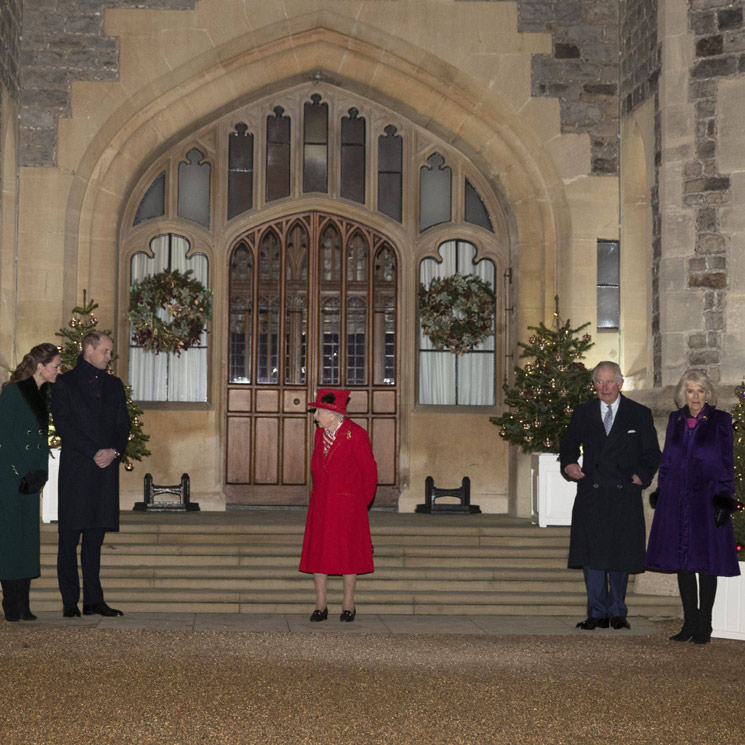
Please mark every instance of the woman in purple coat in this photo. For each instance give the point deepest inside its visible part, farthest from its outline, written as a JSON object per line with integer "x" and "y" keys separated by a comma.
{"x": 692, "y": 531}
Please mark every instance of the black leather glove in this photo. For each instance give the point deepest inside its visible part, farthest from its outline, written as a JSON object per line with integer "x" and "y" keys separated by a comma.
{"x": 724, "y": 506}
{"x": 653, "y": 497}
{"x": 32, "y": 482}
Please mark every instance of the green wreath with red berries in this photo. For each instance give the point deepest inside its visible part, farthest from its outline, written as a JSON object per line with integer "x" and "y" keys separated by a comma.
{"x": 169, "y": 311}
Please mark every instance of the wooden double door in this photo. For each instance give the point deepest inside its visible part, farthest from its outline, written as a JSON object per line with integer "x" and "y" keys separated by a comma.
{"x": 313, "y": 304}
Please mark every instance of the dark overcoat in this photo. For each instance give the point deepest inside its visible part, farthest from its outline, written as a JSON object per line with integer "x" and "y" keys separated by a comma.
{"x": 87, "y": 423}
{"x": 24, "y": 421}
{"x": 697, "y": 464}
{"x": 337, "y": 530}
{"x": 608, "y": 530}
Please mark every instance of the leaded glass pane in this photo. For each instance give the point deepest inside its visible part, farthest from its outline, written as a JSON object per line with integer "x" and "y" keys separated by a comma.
{"x": 390, "y": 173}
{"x": 315, "y": 145}
{"x": 434, "y": 192}
{"x": 153, "y": 203}
{"x": 330, "y": 342}
{"x": 240, "y": 170}
{"x": 356, "y": 341}
{"x": 330, "y": 255}
{"x": 240, "y": 322}
{"x": 194, "y": 188}
{"x": 353, "y": 157}
{"x": 357, "y": 259}
{"x": 277, "y": 155}
{"x": 384, "y": 321}
{"x": 476, "y": 212}
{"x": 296, "y": 308}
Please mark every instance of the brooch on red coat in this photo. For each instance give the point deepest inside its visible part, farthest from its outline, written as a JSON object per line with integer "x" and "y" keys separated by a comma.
{"x": 349, "y": 435}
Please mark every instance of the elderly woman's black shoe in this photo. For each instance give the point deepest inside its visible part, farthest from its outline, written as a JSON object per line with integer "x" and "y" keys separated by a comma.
{"x": 348, "y": 615}
{"x": 319, "y": 615}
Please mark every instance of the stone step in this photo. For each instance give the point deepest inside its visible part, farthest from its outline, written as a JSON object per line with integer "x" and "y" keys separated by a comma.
{"x": 220, "y": 601}
{"x": 247, "y": 563}
{"x": 150, "y": 552}
{"x": 374, "y": 583}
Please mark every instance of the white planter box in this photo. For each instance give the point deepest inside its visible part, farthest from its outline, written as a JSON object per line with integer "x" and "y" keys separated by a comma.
{"x": 552, "y": 496}
{"x": 49, "y": 492}
{"x": 728, "y": 616}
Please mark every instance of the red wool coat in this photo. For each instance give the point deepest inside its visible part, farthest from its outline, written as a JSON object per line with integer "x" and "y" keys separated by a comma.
{"x": 337, "y": 530}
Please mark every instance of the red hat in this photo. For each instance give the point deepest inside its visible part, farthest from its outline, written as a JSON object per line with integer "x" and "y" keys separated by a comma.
{"x": 333, "y": 399}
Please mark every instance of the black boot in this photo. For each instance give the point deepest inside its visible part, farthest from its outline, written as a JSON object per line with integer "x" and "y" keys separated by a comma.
{"x": 10, "y": 599}
{"x": 24, "y": 611}
{"x": 689, "y": 596}
{"x": 707, "y": 586}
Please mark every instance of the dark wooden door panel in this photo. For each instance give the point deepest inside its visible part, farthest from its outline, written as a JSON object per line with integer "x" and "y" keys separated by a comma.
{"x": 313, "y": 301}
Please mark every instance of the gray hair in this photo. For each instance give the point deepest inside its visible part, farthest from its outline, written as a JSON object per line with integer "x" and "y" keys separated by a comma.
{"x": 699, "y": 378}
{"x": 607, "y": 365}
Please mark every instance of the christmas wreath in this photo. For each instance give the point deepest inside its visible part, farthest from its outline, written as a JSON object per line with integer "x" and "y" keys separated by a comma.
{"x": 457, "y": 312}
{"x": 187, "y": 304}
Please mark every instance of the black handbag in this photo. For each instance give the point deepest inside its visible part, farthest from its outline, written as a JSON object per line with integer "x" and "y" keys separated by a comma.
{"x": 32, "y": 482}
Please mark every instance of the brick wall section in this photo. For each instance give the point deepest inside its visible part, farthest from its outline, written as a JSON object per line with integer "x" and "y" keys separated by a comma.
{"x": 720, "y": 52}
{"x": 63, "y": 41}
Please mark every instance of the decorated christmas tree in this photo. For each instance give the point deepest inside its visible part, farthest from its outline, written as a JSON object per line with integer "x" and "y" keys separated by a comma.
{"x": 738, "y": 424}
{"x": 79, "y": 325}
{"x": 546, "y": 389}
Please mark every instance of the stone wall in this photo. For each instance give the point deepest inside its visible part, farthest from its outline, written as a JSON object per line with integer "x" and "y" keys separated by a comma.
{"x": 63, "y": 43}
{"x": 719, "y": 54}
{"x": 640, "y": 75}
{"x": 10, "y": 53}
{"x": 582, "y": 71}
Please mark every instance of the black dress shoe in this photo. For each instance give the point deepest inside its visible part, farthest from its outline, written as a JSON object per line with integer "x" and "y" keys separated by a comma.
{"x": 71, "y": 611}
{"x": 619, "y": 622}
{"x": 100, "y": 609}
{"x": 347, "y": 616}
{"x": 590, "y": 623}
{"x": 319, "y": 615}
{"x": 26, "y": 615}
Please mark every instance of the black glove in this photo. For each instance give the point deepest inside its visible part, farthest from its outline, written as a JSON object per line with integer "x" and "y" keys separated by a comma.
{"x": 724, "y": 506}
{"x": 653, "y": 497}
{"x": 32, "y": 482}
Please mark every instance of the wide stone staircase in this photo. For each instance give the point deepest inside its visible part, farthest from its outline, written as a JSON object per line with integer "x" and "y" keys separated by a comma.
{"x": 245, "y": 561}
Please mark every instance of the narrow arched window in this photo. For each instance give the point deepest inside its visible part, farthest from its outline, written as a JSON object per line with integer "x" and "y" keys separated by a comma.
{"x": 240, "y": 170}
{"x": 315, "y": 144}
{"x": 435, "y": 192}
{"x": 277, "y": 155}
{"x": 353, "y": 157}
{"x": 194, "y": 176}
{"x": 169, "y": 377}
{"x": 452, "y": 379}
{"x": 241, "y": 309}
{"x": 390, "y": 173}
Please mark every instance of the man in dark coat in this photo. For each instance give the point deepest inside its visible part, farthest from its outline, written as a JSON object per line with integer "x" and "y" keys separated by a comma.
{"x": 89, "y": 407}
{"x": 620, "y": 455}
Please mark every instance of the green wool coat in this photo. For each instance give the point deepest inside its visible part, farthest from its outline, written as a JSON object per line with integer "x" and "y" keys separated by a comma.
{"x": 23, "y": 449}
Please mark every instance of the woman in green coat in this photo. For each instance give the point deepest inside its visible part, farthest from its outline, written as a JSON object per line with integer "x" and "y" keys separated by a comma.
{"x": 24, "y": 422}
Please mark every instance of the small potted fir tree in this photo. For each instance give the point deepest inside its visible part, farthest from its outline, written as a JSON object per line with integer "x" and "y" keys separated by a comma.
{"x": 545, "y": 391}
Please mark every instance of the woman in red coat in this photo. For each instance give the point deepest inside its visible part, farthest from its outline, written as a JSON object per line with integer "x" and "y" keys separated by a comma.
{"x": 337, "y": 531}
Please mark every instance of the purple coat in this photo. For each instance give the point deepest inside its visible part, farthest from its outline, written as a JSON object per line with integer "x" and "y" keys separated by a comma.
{"x": 697, "y": 464}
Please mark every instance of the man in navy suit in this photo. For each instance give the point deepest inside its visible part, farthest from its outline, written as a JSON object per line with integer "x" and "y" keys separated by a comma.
{"x": 89, "y": 407}
{"x": 620, "y": 454}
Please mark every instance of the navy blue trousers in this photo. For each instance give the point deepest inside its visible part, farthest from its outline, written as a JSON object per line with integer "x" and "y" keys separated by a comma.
{"x": 606, "y": 592}
{"x": 90, "y": 562}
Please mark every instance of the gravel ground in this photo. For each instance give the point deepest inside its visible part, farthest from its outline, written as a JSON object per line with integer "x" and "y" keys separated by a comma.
{"x": 149, "y": 687}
